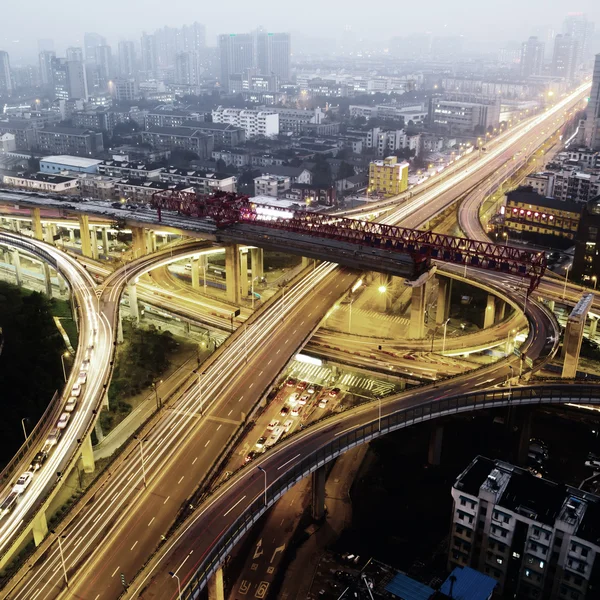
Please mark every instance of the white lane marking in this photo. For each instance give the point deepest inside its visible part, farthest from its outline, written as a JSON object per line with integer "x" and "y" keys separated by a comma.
{"x": 260, "y": 373}
{"x": 151, "y": 521}
{"x": 184, "y": 561}
{"x": 207, "y": 443}
{"x": 278, "y": 351}
{"x": 241, "y": 398}
{"x": 132, "y": 547}
{"x": 219, "y": 427}
{"x": 230, "y": 412}
{"x": 195, "y": 460}
{"x": 96, "y": 598}
{"x": 346, "y": 430}
{"x": 234, "y": 506}
{"x": 293, "y": 332}
{"x": 37, "y": 593}
{"x": 115, "y": 572}
{"x": 166, "y": 499}
{"x": 78, "y": 542}
{"x": 180, "y": 479}
{"x": 270, "y": 362}
{"x": 288, "y": 462}
{"x": 250, "y": 386}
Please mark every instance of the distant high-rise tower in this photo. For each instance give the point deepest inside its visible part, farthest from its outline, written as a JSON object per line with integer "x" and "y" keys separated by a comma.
{"x": 46, "y": 45}
{"x": 6, "y": 85}
{"x": 104, "y": 66}
{"x": 60, "y": 79}
{"x": 91, "y": 41}
{"x": 77, "y": 80}
{"x": 532, "y": 57}
{"x": 127, "y": 60}
{"x": 75, "y": 53}
{"x": 186, "y": 68}
{"x": 582, "y": 31}
{"x": 564, "y": 57}
{"x": 273, "y": 54}
{"x": 45, "y": 63}
{"x": 149, "y": 63}
{"x": 592, "y": 124}
{"x": 237, "y": 55}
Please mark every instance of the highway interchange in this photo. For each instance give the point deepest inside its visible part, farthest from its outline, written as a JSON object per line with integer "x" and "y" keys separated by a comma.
{"x": 163, "y": 443}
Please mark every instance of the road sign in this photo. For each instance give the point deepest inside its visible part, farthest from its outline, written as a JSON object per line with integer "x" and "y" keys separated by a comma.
{"x": 237, "y": 313}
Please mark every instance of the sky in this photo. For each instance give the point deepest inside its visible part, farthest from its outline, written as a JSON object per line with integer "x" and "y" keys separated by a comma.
{"x": 65, "y": 21}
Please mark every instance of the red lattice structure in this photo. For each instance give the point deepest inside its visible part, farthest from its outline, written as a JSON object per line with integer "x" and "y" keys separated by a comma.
{"x": 226, "y": 209}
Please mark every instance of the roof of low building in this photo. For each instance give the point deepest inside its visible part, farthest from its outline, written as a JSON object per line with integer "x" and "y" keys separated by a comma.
{"x": 405, "y": 588}
{"x": 468, "y": 584}
{"x": 178, "y": 131}
{"x": 71, "y": 161}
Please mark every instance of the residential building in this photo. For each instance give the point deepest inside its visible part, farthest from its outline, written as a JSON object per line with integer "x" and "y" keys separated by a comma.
{"x": 581, "y": 30}
{"x": 586, "y": 262}
{"x": 273, "y": 51}
{"x": 388, "y": 176}
{"x": 237, "y": 55}
{"x": 464, "y": 113}
{"x": 6, "y": 83}
{"x": 68, "y": 140}
{"x": 125, "y": 90}
{"x": 170, "y": 138}
{"x": 579, "y": 186}
{"x": 529, "y": 214}
{"x": 46, "y": 59}
{"x": 237, "y": 158}
{"x": 296, "y": 174}
{"x": 99, "y": 119}
{"x": 271, "y": 185}
{"x": 168, "y": 116}
{"x": 293, "y": 119}
{"x": 104, "y": 69}
{"x": 60, "y": 184}
{"x": 91, "y": 41}
{"x": 541, "y": 183}
{"x": 23, "y": 132}
{"x": 535, "y": 537}
{"x": 8, "y": 142}
{"x": 225, "y": 135}
{"x": 149, "y": 61}
{"x": 354, "y": 183}
{"x": 60, "y": 78}
{"x": 310, "y": 194}
{"x": 130, "y": 170}
{"x": 254, "y": 122}
{"x": 564, "y": 57}
{"x": 532, "y": 57}
{"x": 592, "y": 123}
{"x": 142, "y": 190}
{"x": 55, "y": 165}
{"x": 74, "y": 54}
{"x": 204, "y": 182}
{"x": 97, "y": 186}
{"x": 186, "y": 69}
{"x": 77, "y": 80}
{"x": 127, "y": 60}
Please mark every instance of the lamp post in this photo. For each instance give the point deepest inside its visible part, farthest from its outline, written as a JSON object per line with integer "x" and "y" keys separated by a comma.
{"x": 252, "y": 290}
{"x": 595, "y": 280}
{"x": 265, "y": 474}
{"x": 178, "y": 583}
{"x": 62, "y": 360}
{"x": 566, "y": 279}
{"x": 350, "y": 317}
{"x": 444, "y": 341}
{"x": 25, "y": 430}
{"x": 156, "y": 397}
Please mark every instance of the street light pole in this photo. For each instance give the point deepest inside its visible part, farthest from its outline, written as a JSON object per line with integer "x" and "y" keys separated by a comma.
{"x": 25, "y": 430}
{"x": 252, "y": 291}
{"x": 62, "y": 360}
{"x": 265, "y": 474}
{"x": 178, "y": 583}
{"x": 350, "y": 318}
{"x": 155, "y": 387}
{"x": 444, "y": 342}
{"x": 566, "y": 278}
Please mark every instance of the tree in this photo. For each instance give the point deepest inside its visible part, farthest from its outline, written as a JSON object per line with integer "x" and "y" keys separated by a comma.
{"x": 345, "y": 170}
{"x": 220, "y": 166}
{"x": 182, "y": 158}
{"x": 322, "y": 172}
{"x": 33, "y": 164}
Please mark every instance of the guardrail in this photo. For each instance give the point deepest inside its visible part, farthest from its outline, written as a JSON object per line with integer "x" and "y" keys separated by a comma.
{"x": 398, "y": 420}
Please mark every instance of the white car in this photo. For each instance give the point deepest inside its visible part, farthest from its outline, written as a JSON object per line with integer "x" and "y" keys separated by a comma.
{"x": 82, "y": 377}
{"x": 23, "y": 482}
{"x": 76, "y": 391}
{"x": 71, "y": 404}
{"x": 323, "y": 403}
{"x": 293, "y": 399}
{"x": 310, "y": 390}
{"x": 63, "y": 420}
{"x": 288, "y": 425}
{"x": 296, "y": 411}
{"x": 274, "y": 423}
{"x": 304, "y": 399}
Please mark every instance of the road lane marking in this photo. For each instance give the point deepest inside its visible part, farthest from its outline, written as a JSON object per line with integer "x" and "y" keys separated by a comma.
{"x": 234, "y": 506}
{"x": 278, "y": 351}
{"x": 207, "y": 443}
{"x": 270, "y": 362}
{"x": 37, "y": 593}
{"x": 166, "y": 499}
{"x": 241, "y": 398}
{"x": 230, "y": 412}
{"x": 132, "y": 547}
{"x": 195, "y": 460}
{"x": 288, "y": 462}
{"x": 219, "y": 427}
{"x": 184, "y": 561}
{"x": 260, "y": 373}
{"x": 115, "y": 572}
{"x": 151, "y": 521}
{"x": 250, "y": 386}
{"x": 180, "y": 479}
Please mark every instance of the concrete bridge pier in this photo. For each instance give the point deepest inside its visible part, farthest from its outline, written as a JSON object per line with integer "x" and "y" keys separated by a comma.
{"x": 574, "y": 335}
{"x": 98, "y": 431}
{"x": 133, "y": 302}
{"x": 244, "y": 273}
{"x": 443, "y": 299}
{"x": 490, "y": 311}
{"x": 500, "y": 311}
{"x": 257, "y": 261}
{"x": 138, "y": 244}
{"x": 84, "y": 235}
{"x": 47, "y": 279}
{"x": 416, "y": 328}
{"x": 94, "y": 242}
{"x": 72, "y": 236}
{"x": 216, "y": 589}
{"x": 62, "y": 286}
{"x": 150, "y": 241}
{"x": 195, "y": 273}
{"x": 232, "y": 273}
{"x": 319, "y": 477}
{"x": 551, "y": 305}
{"x": 434, "y": 455}
{"x": 87, "y": 455}
{"x": 39, "y": 527}
{"x": 48, "y": 237}
{"x": 120, "y": 337}
{"x": 16, "y": 260}
{"x": 593, "y": 327}
{"x": 36, "y": 224}
{"x": 105, "y": 244}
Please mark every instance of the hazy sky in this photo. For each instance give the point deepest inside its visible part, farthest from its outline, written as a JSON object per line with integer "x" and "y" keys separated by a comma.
{"x": 22, "y": 23}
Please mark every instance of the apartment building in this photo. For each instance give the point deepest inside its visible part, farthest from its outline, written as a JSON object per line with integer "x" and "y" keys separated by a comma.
{"x": 99, "y": 120}
{"x": 140, "y": 190}
{"x": 69, "y": 141}
{"x": 255, "y": 123}
{"x": 464, "y": 113}
{"x": 43, "y": 182}
{"x": 167, "y": 116}
{"x": 203, "y": 181}
{"x": 170, "y": 138}
{"x": 130, "y": 170}
{"x": 239, "y": 158}
{"x": 539, "y": 539}
{"x": 293, "y": 119}
{"x": 271, "y": 185}
{"x": 578, "y": 186}
{"x": 388, "y": 176}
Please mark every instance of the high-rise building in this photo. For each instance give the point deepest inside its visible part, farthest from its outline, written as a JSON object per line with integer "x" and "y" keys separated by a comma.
{"x": 237, "y": 55}
{"x": 75, "y": 54}
{"x": 77, "y": 80}
{"x": 91, "y": 41}
{"x": 149, "y": 63}
{"x": 273, "y": 54}
{"x": 532, "y": 57}
{"x": 45, "y": 45}
{"x": 6, "y": 85}
{"x": 127, "y": 60}
{"x": 186, "y": 68}
{"x": 592, "y": 123}
{"x": 582, "y": 31}
{"x": 193, "y": 38}
{"x": 388, "y": 176}
{"x": 104, "y": 66}
{"x": 45, "y": 62}
{"x": 60, "y": 78}
{"x": 564, "y": 57}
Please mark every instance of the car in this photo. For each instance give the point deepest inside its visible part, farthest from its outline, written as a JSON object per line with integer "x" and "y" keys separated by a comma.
{"x": 85, "y": 365}
{"x": 301, "y": 385}
{"x": 284, "y": 411}
{"x": 82, "y": 378}
{"x": 71, "y": 404}
{"x": 23, "y": 482}
{"x": 288, "y": 425}
{"x": 63, "y": 420}
{"x": 76, "y": 391}
{"x": 53, "y": 437}
{"x": 290, "y": 382}
{"x": 274, "y": 423}
{"x": 334, "y": 392}
{"x": 250, "y": 456}
{"x": 304, "y": 399}
{"x": 260, "y": 442}
{"x": 310, "y": 390}
{"x": 38, "y": 460}
{"x": 296, "y": 411}
{"x": 323, "y": 403}
{"x": 293, "y": 399}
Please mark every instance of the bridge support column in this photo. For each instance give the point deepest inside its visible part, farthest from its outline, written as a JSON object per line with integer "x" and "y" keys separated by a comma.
{"x": 257, "y": 259}
{"x": 47, "y": 279}
{"x": 416, "y": 329}
{"x": 244, "y": 273}
{"x": 500, "y": 311}
{"x": 319, "y": 477}
{"x": 490, "y": 312}
{"x": 443, "y": 299}
{"x": 105, "y": 245}
{"x": 87, "y": 455}
{"x": 36, "y": 224}
{"x": 16, "y": 225}
{"x": 72, "y": 236}
{"x": 572, "y": 347}
{"x": 120, "y": 337}
{"x": 133, "y": 302}
{"x": 16, "y": 259}
{"x": 105, "y": 401}
{"x": 150, "y": 241}
{"x": 84, "y": 235}
{"x": 39, "y": 528}
{"x": 216, "y": 589}
{"x": 62, "y": 286}
{"x": 593, "y": 327}
{"x": 98, "y": 431}
{"x": 48, "y": 234}
{"x": 232, "y": 273}
{"x": 551, "y": 305}
{"x": 434, "y": 456}
{"x": 305, "y": 262}
{"x": 138, "y": 244}
{"x": 195, "y": 274}
{"x": 94, "y": 242}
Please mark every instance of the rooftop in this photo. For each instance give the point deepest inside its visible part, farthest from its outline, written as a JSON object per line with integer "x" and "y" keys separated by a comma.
{"x": 527, "y": 195}
{"x": 46, "y": 177}
{"x": 155, "y": 185}
{"x": 406, "y": 588}
{"x": 131, "y": 165}
{"x": 178, "y": 131}
{"x": 71, "y": 161}
{"x": 468, "y": 584}
{"x": 66, "y": 130}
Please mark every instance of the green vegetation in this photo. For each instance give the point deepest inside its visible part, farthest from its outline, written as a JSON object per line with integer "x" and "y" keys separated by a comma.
{"x": 62, "y": 310}
{"x": 30, "y": 365}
